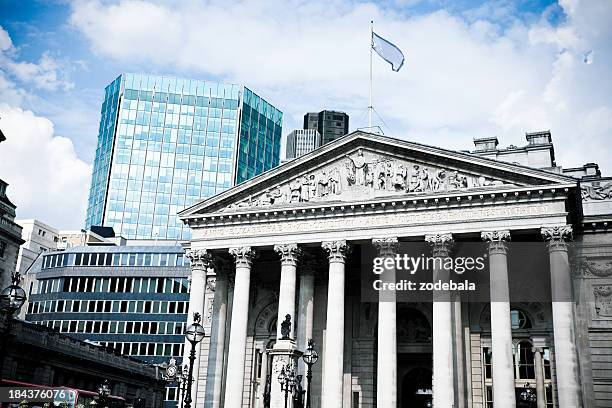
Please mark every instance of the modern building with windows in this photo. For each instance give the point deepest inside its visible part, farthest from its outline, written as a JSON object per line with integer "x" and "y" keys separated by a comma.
{"x": 164, "y": 143}
{"x": 133, "y": 299}
{"x": 330, "y": 124}
{"x": 302, "y": 141}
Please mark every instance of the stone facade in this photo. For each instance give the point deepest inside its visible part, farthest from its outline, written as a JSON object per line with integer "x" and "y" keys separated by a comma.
{"x": 291, "y": 241}
{"x": 10, "y": 237}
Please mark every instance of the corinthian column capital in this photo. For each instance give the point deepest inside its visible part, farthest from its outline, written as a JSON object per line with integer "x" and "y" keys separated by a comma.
{"x": 337, "y": 250}
{"x": 440, "y": 244}
{"x": 497, "y": 240}
{"x": 387, "y": 246}
{"x": 557, "y": 237}
{"x": 289, "y": 253}
{"x": 199, "y": 258}
{"x": 244, "y": 256}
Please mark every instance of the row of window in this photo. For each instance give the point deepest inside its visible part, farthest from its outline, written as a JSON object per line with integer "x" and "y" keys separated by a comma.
{"x": 146, "y": 349}
{"x": 108, "y": 306}
{"x": 115, "y": 327}
{"x": 114, "y": 285}
{"x": 114, "y": 259}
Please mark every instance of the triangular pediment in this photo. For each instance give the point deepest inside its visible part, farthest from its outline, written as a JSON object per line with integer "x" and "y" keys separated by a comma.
{"x": 361, "y": 167}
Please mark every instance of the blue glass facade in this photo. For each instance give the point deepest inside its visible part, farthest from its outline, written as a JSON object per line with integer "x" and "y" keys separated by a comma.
{"x": 165, "y": 143}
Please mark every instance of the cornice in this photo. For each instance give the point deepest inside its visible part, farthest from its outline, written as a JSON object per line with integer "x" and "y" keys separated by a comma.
{"x": 406, "y": 203}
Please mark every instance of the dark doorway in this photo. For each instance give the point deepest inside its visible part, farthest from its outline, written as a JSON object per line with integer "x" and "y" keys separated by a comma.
{"x": 416, "y": 388}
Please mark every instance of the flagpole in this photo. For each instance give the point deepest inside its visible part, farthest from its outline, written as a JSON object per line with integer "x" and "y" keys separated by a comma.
{"x": 371, "y": 48}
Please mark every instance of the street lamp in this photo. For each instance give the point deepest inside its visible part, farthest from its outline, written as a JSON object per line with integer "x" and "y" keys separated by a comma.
{"x": 194, "y": 334}
{"x": 103, "y": 393}
{"x": 287, "y": 381}
{"x": 528, "y": 395}
{"x": 310, "y": 357}
{"x": 12, "y": 299}
{"x": 183, "y": 381}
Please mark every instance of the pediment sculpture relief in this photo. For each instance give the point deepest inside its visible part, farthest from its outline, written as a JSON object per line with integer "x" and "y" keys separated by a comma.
{"x": 365, "y": 175}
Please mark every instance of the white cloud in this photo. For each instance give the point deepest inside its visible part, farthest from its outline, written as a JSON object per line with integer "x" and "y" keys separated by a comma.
{"x": 47, "y": 180}
{"x": 465, "y": 76}
{"x": 49, "y": 73}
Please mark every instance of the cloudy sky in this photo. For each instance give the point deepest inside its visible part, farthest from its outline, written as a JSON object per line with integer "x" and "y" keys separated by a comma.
{"x": 473, "y": 69}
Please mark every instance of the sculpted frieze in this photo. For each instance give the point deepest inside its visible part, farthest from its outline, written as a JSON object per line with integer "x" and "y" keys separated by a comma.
{"x": 365, "y": 175}
{"x": 596, "y": 191}
{"x": 603, "y": 300}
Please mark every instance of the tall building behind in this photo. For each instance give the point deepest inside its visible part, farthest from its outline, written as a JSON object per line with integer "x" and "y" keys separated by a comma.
{"x": 164, "y": 143}
{"x": 330, "y": 124}
{"x": 302, "y": 141}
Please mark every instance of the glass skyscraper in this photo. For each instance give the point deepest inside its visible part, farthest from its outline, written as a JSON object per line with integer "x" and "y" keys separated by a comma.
{"x": 164, "y": 143}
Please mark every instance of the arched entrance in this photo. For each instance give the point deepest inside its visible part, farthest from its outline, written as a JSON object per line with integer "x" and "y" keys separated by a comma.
{"x": 416, "y": 388}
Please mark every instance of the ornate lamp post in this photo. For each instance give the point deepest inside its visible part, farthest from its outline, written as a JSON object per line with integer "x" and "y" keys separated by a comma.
{"x": 12, "y": 299}
{"x": 103, "y": 393}
{"x": 528, "y": 395}
{"x": 310, "y": 357}
{"x": 287, "y": 381}
{"x": 194, "y": 334}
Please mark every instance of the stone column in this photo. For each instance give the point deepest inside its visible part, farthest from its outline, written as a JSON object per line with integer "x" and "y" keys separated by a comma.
{"x": 501, "y": 328}
{"x": 566, "y": 361}
{"x": 333, "y": 356}
{"x": 201, "y": 261}
{"x": 284, "y": 350}
{"x": 539, "y": 375}
{"x": 386, "y": 381}
{"x": 286, "y": 300}
{"x": 305, "y": 304}
{"x": 214, "y": 374}
{"x": 443, "y": 367}
{"x": 234, "y": 381}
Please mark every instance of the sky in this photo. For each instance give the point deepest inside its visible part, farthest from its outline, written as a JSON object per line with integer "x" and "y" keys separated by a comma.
{"x": 472, "y": 69}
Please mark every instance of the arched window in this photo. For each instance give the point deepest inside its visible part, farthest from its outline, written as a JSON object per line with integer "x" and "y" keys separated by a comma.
{"x": 519, "y": 320}
{"x": 524, "y": 360}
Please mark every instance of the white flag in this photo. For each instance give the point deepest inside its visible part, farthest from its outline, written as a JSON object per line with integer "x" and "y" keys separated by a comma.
{"x": 388, "y": 52}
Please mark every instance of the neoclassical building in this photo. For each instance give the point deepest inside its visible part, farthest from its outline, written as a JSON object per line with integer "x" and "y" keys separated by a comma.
{"x": 290, "y": 242}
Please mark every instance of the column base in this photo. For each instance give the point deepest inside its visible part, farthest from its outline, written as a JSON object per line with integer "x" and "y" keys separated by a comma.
{"x": 284, "y": 353}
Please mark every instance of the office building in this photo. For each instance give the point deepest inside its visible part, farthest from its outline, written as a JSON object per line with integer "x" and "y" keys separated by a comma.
{"x": 302, "y": 141}
{"x": 164, "y": 143}
{"x": 40, "y": 237}
{"x": 132, "y": 298}
{"x": 330, "y": 124}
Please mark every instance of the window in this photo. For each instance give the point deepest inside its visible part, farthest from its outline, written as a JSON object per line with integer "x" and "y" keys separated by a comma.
{"x": 524, "y": 360}
{"x": 519, "y": 320}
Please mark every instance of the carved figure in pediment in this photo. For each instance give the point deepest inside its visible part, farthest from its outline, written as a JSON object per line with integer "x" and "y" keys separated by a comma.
{"x": 360, "y": 167}
{"x": 399, "y": 180}
{"x": 265, "y": 199}
{"x": 295, "y": 189}
{"x": 305, "y": 189}
{"x": 312, "y": 186}
{"x": 350, "y": 172}
{"x": 323, "y": 185}
{"x": 415, "y": 179}
{"x": 380, "y": 175}
{"x": 334, "y": 180}
{"x": 436, "y": 182}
